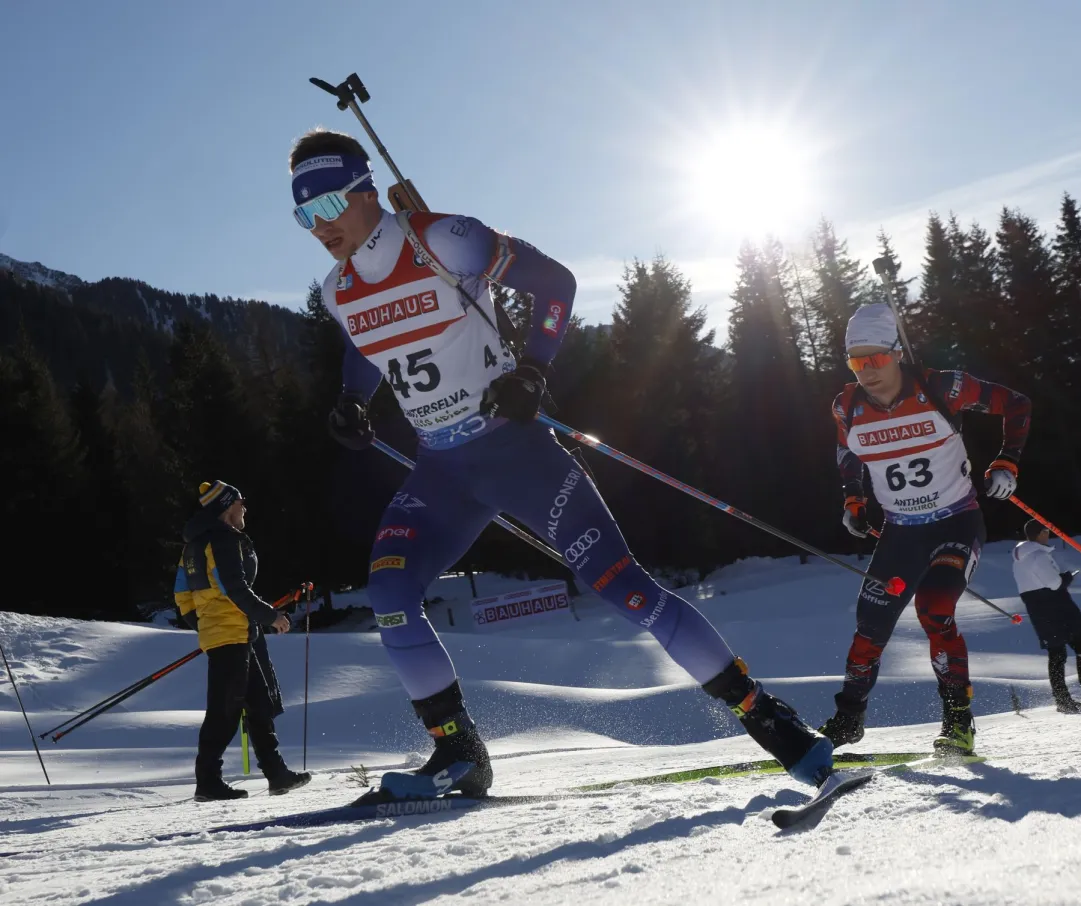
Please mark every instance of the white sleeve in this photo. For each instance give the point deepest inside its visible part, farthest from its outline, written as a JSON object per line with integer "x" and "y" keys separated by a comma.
{"x": 1045, "y": 570}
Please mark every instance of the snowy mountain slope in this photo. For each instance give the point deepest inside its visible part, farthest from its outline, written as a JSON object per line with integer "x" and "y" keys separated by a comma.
{"x": 35, "y": 272}
{"x": 565, "y": 704}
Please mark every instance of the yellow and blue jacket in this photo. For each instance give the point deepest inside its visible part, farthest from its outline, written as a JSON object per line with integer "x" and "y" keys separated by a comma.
{"x": 213, "y": 584}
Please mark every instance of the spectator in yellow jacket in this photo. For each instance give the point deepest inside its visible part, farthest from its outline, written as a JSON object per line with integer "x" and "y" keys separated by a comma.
{"x": 214, "y": 594}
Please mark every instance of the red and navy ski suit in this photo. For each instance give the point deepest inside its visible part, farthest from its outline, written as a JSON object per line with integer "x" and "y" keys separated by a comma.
{"x": 934, "y": 529}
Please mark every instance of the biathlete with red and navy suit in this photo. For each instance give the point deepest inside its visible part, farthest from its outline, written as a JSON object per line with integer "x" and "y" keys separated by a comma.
{"x": 411, "y": 292}
{"x": 903, "y": 425}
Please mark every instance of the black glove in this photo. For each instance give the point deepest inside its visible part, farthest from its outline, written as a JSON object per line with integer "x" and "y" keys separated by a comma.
{"x": 348, "y": 422}
{"x": 517, "y": 395}
{"x": 1067, "y": 578}
{"x": 192, "y": 619}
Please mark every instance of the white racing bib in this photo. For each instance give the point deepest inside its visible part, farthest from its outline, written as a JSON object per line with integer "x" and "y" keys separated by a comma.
{"x": 437, "y": 356}
{"x": 918, "y": 464}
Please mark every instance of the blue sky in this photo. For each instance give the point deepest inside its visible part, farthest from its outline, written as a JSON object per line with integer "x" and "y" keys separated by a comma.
{"x": 149, "y": 140}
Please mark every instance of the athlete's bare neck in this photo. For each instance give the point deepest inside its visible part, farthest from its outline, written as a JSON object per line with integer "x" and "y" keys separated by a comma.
{"x": 886, "y": 392}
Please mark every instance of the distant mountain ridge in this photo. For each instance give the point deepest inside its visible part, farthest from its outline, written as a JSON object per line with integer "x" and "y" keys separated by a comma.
{"x": 83, "y": 327}
{"x": 38, "y": 273}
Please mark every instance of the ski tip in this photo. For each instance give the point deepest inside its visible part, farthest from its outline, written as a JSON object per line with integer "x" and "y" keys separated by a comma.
{"x": 835, "y": 785}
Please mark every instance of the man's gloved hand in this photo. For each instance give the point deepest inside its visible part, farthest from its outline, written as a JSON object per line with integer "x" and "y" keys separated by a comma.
{"x": 348, "y": 422}
{"x": 855, "y": 517}
{"x": 1001, "y": 478}
{"x": 517, "y": 395}
{"x": 1068, "y": 577}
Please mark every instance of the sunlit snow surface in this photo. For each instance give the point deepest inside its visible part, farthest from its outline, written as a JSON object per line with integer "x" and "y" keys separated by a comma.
{"x": 570, "y": 702}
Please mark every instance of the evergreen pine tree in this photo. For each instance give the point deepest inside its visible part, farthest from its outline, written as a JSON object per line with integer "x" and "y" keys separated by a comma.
{"x": 661, "y": 396}
{"x": 207, "y": 418}
{"x": 1029, "y": 316}
{"x": 878, "y": 289}
{"x": 1067, "y": 270}
{"x": 159, "y": 498}
{"x": 43, "y": 462}
{"x": 842, "y": 287}
{"x": 773, "y": 394}
{"x": 103, "y": 504}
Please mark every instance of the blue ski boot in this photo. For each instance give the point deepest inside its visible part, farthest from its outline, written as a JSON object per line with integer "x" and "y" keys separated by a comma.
{"x": 460, "y": 761}
{"x": 805, "y": 754}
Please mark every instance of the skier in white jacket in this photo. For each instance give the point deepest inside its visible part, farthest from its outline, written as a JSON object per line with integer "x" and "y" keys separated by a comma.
{"x": 1054, "y": 615}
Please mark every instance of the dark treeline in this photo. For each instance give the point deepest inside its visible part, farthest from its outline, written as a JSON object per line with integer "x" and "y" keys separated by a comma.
{"x": 114, "y": 406}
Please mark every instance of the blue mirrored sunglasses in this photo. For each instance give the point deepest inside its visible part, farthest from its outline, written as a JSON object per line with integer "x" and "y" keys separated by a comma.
{"x": 328, "y": 206}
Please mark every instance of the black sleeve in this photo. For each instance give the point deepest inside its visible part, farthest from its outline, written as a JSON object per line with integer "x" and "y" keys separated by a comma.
{"x": 229, "y": 568}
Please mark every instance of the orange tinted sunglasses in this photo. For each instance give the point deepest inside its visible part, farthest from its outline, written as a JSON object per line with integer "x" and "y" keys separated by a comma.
{"x": 875, "y": 360}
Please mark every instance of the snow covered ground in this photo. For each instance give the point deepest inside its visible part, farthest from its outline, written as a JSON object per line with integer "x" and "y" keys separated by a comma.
{"x": 570, "y": 702}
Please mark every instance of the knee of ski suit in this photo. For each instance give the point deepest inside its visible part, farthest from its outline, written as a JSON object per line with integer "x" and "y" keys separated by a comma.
{"x": 396, "y": 595}
{"x": 682, "y": 631}
{"x": 936, "y": 606}
{"x": 583, "y": 527}
{"x": 951, "y": 567}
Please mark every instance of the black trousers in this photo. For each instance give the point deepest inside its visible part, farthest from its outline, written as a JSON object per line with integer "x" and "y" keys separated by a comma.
{"x": 235, "y": 683}
{"x": 935, "y": 560}
{"x": 1054, "y": 615}
{"x": 1056, "y": 619}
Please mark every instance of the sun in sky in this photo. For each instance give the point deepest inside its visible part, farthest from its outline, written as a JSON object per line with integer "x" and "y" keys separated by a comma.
{"x": 752, "y": 177}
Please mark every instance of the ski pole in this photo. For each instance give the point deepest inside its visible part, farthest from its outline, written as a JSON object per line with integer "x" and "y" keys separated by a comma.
{"x": 1015, "y": 618}
{"x": 307, "y": 642}
{"x": 894, "y": 586}
{"x": 1050, "y": 525}
{"x": 22, "y": 708}
{"x": 134, "y": 686}
{"x": 245, "y": 756}
{"x": 499, "y": 520}
{"x": 117, "y": 698}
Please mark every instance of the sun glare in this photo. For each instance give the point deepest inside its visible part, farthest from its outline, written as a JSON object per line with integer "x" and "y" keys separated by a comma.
{"x": 757, "y": 179}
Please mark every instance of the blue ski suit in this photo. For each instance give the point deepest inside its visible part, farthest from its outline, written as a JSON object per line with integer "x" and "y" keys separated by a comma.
{"x": 437, "y": 346}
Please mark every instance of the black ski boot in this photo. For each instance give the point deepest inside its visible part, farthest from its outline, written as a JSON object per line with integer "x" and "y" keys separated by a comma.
{"x": 846, "y": 726}
{"x": 804, "y": 754}
{"x": 214, "y": 789}
{"x": 958, "y": 734}
{"x": 1056, "y": 669}
{"x": 1067, "y": 705}
{"x": 286, "y": 780}
{"x": 457, "y": 742}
